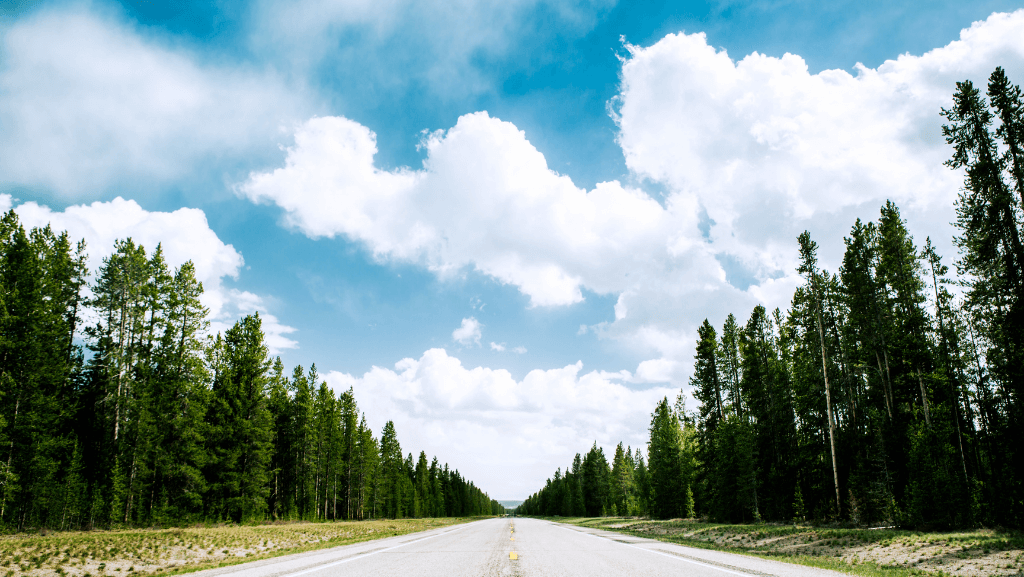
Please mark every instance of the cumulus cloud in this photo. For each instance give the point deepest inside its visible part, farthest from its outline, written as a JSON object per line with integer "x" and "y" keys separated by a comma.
{"x": 183, "y": 234}
{"x": 468, "y": 332}
{"x": 768, "y": 149}
{"x": 498, "y": 347}
{"x": 751, "y": 152}
{"x": 89, "y": 102}
{"x": 485, "y": 198}
{"x": 462, "y": 414}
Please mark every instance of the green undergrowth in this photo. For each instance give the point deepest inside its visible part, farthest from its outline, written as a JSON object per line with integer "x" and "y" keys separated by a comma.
{"x": 887, "y": 552}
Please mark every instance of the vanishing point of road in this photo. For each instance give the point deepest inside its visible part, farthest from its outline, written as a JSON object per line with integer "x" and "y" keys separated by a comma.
{"x": 515, "y": 547}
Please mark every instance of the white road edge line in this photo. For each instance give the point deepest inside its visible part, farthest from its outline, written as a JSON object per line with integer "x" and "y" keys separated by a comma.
{"x": 358, "y": 556}
{"x": 669, "y": 555}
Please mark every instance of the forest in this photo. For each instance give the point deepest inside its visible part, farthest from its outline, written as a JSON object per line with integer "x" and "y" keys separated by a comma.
{"x": 140, "y": 417}
{"x": 888, "y": 394}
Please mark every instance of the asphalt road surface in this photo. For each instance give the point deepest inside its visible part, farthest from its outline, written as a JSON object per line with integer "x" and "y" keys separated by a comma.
{"x": 515, "y": 547}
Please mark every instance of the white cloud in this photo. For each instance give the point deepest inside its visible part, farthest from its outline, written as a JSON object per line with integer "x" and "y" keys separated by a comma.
{"x": 500, "y": 347}
{"x": 657, "y": 371}
{"x": 768, "y": 149}
{"x": 751, "y": 153}
{"x": 234, "y": 304}
{"x": 89, "y": 103}
{"x": 183, "y": 234}
{"x": 468, "y": 332}
{"x": 437, "y": 45}
{"x": 462, "y": 414}
{"x": 516, "y": 220}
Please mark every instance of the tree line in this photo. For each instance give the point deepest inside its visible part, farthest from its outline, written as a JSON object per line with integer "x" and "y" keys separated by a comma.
{"x": 139, "y": 417}
{"x": 888, "y": 393}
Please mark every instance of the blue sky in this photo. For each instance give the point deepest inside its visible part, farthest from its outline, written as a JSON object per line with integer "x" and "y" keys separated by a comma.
{"x": 713, "y": 160}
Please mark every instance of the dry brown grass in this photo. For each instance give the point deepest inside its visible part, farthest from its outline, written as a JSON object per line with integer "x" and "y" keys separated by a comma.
{"x": 169, "y": 551}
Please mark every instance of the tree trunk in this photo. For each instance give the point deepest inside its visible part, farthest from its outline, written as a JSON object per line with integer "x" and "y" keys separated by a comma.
{"x": 924, "y": 400}
{"x": 828, "y": 405}
{"x": 885, "y": 389}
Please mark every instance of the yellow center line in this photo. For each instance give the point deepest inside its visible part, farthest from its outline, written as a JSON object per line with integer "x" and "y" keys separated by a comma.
{"x": 513, "y": 556}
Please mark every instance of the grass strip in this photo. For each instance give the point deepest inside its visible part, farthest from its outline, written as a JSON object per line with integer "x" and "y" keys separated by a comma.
{"x": 887, "y": 552}
{"x": 174, "y": 551}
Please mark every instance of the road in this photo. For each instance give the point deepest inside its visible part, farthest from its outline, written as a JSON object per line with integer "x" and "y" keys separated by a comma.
{"x": 516, "y": 548}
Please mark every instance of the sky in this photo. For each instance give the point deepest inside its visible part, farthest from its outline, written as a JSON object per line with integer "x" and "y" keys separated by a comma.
{"x": 500, "y": 223}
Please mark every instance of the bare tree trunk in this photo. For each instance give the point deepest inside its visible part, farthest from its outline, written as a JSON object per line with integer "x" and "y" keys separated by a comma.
{"x": 885, "y": 388}
{"x": 10, "y": 453}
{"x": 348, "y": 486}
{"x": 888, "y": 374}
{"x": 828, "y": 405}
{"x": 924, "y": 400}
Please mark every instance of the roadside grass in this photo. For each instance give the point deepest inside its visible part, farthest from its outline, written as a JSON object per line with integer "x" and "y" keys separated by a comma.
{"x": 183, "y": 550}
{"x": 882, "y": 552}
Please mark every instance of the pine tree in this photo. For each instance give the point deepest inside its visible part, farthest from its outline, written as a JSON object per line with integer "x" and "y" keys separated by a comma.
{"x": 281, "y": 501}
{"x": 865, "y": 325}
{"x": 879, "y": 437}
{"x": 577, "y": 503}
{"x": 766, "y": 386}
{"x": 707, "y": 390}
{"x": 622, "y": 485}
{"x": 665, "y": 463}
{"x": 302, "y": 442}
{"x": 366, "y": 467}
{"x": 391, "y": 465}
{"x": 643, "y": 484}
{"x": 180, "y": 399}
{"x": 992, "y": 262}
{"x": 241, "y": 424}
{"x": 595, "y": 482}
{"x": 349, "y": 446}
{"x": 900, "y": 271}
{"x": 325, "y": 431}
{"x": 41, "y": 276}
{"x": 422, "y": 476}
